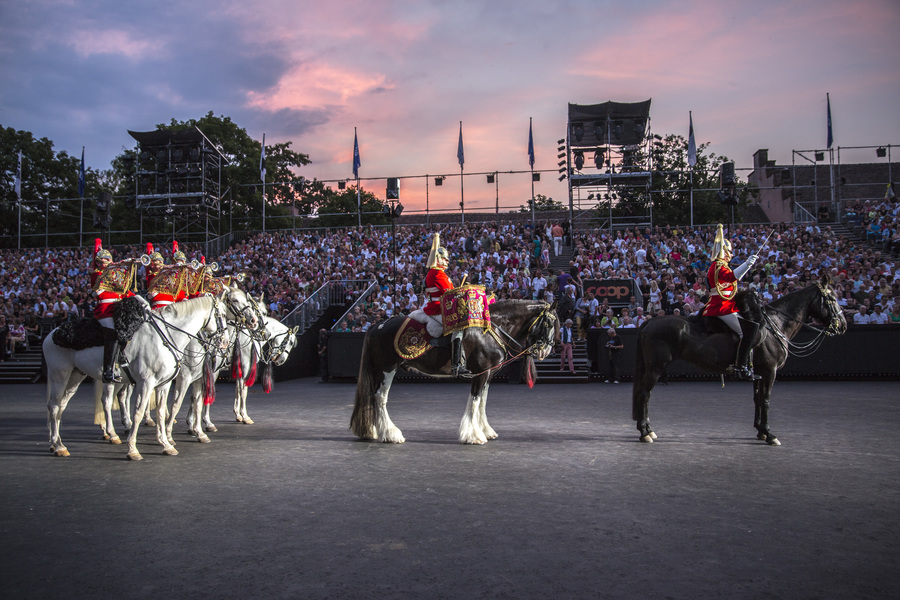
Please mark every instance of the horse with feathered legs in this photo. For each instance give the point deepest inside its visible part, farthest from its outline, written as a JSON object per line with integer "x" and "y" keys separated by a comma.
{"x": 664, "y": 339}
{"x": 518, "y": 328}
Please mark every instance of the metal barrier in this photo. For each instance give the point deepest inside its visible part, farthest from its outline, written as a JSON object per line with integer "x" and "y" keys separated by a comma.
{"x": 333, "y": 293}
{"x": 373, "y": 287}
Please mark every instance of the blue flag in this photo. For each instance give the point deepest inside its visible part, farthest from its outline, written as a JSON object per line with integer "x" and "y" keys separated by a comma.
{"x": 530, "y": 145}
{"x": 18, "y": 183}
{"x": 459, "y": 149}
{"x": 81, "y": 175}
{"x": 262, "y": 161}
{"x": 356, "y": 162}
{"x": 692, "y": 144}
{"x": 830, "y": 132}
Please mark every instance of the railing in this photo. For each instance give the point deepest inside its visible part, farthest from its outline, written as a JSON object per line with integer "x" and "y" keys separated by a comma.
{"x": 373, "y": 287}
{"x": 333, "y": 293}
{"x": 801, "y": 215}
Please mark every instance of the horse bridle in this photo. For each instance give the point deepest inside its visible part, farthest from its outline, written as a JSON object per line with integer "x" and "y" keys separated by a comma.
{"x": 270, "y": 350}
{"x": 258, "y": 332}
{"x": 542, "y": 321}
{"x": 807, "y": 348}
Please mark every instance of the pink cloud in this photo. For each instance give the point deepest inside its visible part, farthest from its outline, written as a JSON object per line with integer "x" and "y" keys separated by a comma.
{"x": 112, "y": 41}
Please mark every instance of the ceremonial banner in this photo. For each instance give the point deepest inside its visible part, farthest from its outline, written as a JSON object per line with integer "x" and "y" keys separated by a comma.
{"x": 117, "y": 277}
{"x": 172, "y": 281}
{"x": 466, "y": 306}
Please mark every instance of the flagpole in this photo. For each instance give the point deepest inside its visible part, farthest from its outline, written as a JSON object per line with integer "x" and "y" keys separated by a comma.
{"x": 531, "y": 162}
{"x": 356, "y": 165}
{"x": 461, "y": 156}
{"x": 830, "y": 141}
{"x": 692, "y": 160}
{"x": 262, "y": 175}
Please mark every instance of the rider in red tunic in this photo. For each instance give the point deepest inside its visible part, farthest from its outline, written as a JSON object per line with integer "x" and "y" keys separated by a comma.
{"x": 157, "y": 262}
{"x": 107, "y": 299}
{"x": 723, "y": 286}
{"x": 160, "y": 298}
{"x": 436, "y": 284}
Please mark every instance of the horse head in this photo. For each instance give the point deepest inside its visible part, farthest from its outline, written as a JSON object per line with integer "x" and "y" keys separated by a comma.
{"x": 543, "y": 333}
{"x": 242, "y": 308}
{"x": 280, "y": 340}
{"x": 826, "y": 308}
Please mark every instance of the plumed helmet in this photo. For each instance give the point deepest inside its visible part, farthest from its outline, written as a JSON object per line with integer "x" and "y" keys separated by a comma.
{"x": 177, "y": 255}
{"x": 100, "y": 251}
{"x": 721, "y": 246}
{"x": 438, "y": 254}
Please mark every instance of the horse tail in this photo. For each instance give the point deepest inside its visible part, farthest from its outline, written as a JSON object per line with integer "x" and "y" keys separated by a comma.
{"x": 364, "y": 415}
{"x": 640, "y": 369}
{"x": 267, "y": 380}
{"x": 251, "y": 374}
{"x": 209, "y": 379}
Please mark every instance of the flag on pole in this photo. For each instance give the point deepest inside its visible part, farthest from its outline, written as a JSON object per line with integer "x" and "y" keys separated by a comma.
{"x": 830, "y": 131}
{"x": 81, "y": 175}
{"x": 889, "y": 192}
{"x": 356, "y": 162}
{"x": 692, "y": 143}
{"x": 530, "y": 145}
{"x": 262, "y": 161}
{"x": 18, "y": 184}
{"x": 459, "y": 149}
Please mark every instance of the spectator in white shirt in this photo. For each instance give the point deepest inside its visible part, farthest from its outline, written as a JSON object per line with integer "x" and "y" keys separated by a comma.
{"x": 878, "y": 317}
{"x": 861, "y": 318}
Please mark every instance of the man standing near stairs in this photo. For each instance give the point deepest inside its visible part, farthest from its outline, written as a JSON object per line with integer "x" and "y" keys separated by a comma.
{"x": 566, "y": 339}
{"x": 557, "y": 232}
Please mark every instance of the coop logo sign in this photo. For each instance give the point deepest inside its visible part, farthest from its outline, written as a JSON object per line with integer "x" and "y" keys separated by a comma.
{"x": 614, "y": 290}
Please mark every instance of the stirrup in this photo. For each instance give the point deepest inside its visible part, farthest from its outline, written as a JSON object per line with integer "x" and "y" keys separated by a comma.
{"x": 111, "y": 377}
{"x": 744, "y": 373}
{"x": 461, "y": 371}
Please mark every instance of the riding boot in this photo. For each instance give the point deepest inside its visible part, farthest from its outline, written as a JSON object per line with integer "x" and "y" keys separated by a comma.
{"x": 459, "y": 368}
{"x": 742, "y": 367}
{"x": 110, "y": 353}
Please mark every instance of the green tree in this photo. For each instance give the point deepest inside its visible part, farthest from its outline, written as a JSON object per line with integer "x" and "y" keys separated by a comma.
{"x": 541, "y": 202}
{"x": 50, "y": 206}
{"x": 339, "y": 208}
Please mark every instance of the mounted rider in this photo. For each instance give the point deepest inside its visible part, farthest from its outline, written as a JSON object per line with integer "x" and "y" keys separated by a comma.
{"x": 110, "y": 289}
{"x": 723, "y": 287}
{"x": 157, "y": 262}
{"x": 164, "y": 295}
{"x": 436, "y": 284}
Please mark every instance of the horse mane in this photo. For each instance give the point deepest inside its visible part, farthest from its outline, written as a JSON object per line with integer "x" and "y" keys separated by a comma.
{"x": 182, "y": 308}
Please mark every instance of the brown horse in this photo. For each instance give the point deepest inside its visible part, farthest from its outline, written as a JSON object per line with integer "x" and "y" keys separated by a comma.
{"x": 520, "y": 328}
{"x": 662, "y": 340}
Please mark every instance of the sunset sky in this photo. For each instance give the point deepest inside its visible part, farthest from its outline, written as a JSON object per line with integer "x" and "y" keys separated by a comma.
{"x": 405, "y": 73}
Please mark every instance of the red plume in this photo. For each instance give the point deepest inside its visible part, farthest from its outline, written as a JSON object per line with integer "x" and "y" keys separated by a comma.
{"x": 98, "y": 246}
{"x": 202, "y": 260}
{"x": 149, "y": 247}
{"x": 174, "y": 246}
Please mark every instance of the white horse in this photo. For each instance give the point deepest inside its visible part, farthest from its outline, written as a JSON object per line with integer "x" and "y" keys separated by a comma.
{"x": 272, "y": 347}
{"x": 152, "y": 362}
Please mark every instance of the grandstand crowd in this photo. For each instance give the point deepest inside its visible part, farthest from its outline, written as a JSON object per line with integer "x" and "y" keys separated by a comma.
{"x": 511, "y": 259}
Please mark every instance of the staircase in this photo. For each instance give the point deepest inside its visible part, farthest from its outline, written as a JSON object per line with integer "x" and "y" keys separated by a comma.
{"x": 548, "y": 370}
{"x": 22, "y": 367}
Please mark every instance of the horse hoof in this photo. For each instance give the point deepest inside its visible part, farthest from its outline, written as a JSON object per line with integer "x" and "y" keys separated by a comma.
{"x": 211, "y": 428}
{"x": 647, "y": 439}
{"x": 115, "y": 441}
{"x": 106, "y": 436}
{"x": 761, "y": 437}
{"x": 773, "y": 441}
{"x": 203, "y": 439}
{"x": 150, "y": 423}
{"x": 170, "y": 452}
{"x": 135, "y": 456}
{"x": 239, "y": 419}
{"x": 248, "y": 421}
{"x": 61, "y": 452}
{"x": 653, "y": 434}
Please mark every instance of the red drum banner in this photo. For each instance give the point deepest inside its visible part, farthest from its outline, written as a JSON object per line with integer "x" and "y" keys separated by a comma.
{"x": 466, "y": 306}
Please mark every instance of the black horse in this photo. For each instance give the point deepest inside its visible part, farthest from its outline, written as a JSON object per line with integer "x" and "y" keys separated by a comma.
{"x": 518, "y": 328}
{"x": 664, "y": 339}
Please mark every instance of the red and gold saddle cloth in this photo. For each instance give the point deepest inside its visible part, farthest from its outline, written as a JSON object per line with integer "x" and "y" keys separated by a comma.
{"x": 411, "y": 340}
{"x": 466, "y": 306}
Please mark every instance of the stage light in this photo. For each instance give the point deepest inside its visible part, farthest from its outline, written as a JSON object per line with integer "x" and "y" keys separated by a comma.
{"x": 881, "y": 152}
{"x": 562, "y": 141}
{"x": 438, "y": 181}
{"x": 563, "y": 176}
{"x": 393, "y": 188}
{"x": 578, "y": 131}
{"x": 490, "y": 178}
{"x": 598, "y": 159}
{"x": 561, "y": 163}
{"x": 618, "y": 129}
{"x": 579, "y": 160}
{"x": 639, "y": 127}
{"x": 535, "y": 176}
{"x": 599, "y": 130}
{"x": 590, "y": 196}
{"x": 561, "y": 155}
{"x": 820, "y": 156}
{"x": 342, "y": 185}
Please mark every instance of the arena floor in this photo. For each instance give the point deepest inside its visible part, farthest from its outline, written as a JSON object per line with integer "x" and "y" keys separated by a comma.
{"x": 567, "y": 503}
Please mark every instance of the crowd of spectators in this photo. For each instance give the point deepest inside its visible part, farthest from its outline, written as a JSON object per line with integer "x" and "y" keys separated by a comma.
{"x": 40, "y": 287}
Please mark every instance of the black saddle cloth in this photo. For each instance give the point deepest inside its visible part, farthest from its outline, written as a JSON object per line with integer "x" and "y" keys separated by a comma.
{"x": 82, "y": 333}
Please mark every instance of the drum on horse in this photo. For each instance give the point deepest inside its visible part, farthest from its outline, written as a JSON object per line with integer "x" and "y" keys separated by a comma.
{"x": 517, "y": 328}
{"x": 664, "y": 339}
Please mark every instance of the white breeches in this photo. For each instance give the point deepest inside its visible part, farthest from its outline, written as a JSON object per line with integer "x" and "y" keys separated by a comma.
{"x": 434, "y": 324}
{"x": 731, "y": 320}
{"x": 107, "y": 322}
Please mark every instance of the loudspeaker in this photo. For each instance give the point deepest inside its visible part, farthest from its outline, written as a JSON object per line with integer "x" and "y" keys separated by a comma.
{"x": 393, "y": 188}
